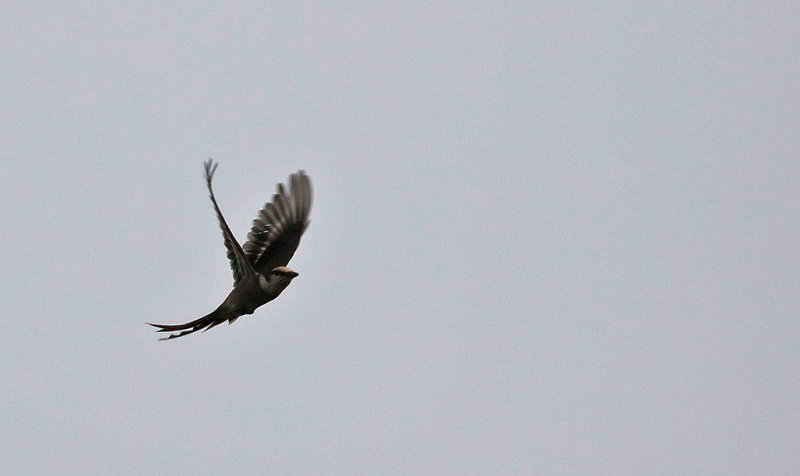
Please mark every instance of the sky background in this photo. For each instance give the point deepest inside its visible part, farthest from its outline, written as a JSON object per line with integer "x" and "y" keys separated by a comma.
{"x": 547, "y": 237}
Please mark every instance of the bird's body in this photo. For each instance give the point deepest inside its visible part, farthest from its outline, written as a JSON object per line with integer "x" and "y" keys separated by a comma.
{"x": 259, "y": 268}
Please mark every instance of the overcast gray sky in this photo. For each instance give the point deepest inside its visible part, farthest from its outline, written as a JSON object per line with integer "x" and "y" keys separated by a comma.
{"x": 547, "y": 237}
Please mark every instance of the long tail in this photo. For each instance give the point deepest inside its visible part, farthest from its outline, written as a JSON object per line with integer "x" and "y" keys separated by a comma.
{"x": 204, "y": 323}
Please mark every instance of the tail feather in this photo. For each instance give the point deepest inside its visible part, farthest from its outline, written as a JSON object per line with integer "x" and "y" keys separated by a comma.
{"x": 204, "y": 323}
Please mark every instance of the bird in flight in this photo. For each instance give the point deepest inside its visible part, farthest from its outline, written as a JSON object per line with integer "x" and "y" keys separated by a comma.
{"x": 259, "y": 267}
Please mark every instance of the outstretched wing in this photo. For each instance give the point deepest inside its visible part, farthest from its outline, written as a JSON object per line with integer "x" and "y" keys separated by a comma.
{"x": 240, "y": 265}
{"x": 280, "y": 224}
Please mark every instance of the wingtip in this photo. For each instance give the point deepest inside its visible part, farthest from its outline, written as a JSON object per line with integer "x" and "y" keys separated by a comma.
{"x": 210, "y": 167}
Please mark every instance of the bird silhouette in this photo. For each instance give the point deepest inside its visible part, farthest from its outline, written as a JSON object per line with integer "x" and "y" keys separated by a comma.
{"x": 259, "y": 267}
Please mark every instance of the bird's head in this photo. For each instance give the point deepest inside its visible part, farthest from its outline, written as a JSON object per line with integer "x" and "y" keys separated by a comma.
{"x": 274, "y": 282}
{"x": 283, "y": 273}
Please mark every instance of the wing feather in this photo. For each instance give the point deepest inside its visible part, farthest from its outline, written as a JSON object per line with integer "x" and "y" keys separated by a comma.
{"x": 240, "y": 265}
{"x": 276, "y": 231}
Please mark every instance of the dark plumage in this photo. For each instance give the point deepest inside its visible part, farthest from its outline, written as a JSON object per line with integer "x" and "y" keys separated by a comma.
{"x": 259, "y": 268}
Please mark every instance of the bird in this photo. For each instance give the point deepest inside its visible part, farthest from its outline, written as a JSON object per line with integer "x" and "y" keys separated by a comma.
{"x": 259, "y": 267}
